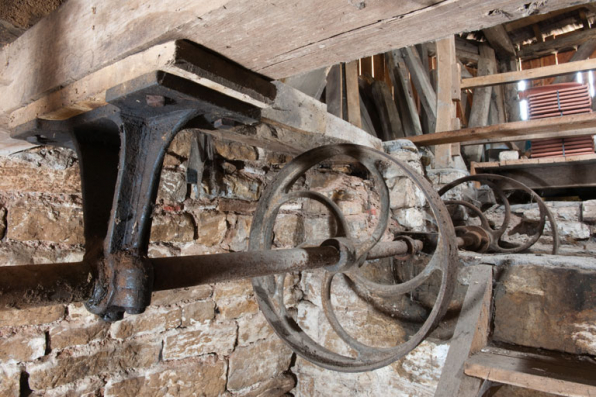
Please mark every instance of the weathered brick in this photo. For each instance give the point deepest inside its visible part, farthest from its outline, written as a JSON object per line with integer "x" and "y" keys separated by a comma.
{"x": 76, "y": 333}
{"x": 69, "y": 366}
{"x": 151, "y": 321}
{"x": 173, "y": 228}
{"x": 212, "y": 228}
{"x": 45, "y": 223}
{"x": 235, "y": 299}
{"x": 197, "y": 312}
{"x": 39, "y": 180}
{"x": 273, "y": 358}
{"x": 202, "y": 339}
{"x": 22, "y": 347}
{"x": 206, "y": 377}
{"x": 170, "y": 297}
{"x": 33, "y": 316}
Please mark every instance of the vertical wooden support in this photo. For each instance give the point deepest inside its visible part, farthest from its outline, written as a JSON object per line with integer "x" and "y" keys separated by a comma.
{"x": 334, "y": 92}
{"x": 353, "y": 94}
{"x": 447, "y": 92}
{"x": 482, "y": 100}
{"x": 404, "y": 98}
{"x": 421, "y": 80}
{"x": 470, "y": 336}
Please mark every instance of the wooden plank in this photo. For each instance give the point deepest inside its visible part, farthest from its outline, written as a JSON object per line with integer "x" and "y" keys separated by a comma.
{"x": 568, "y": 174}
{"x": 561, "y": 377}
{"x": 353, "y": 94}
{"x": 500, "y": 41}
{"x": 335, "y": 91}
{"x": 404, "y": 97}
{"x": 583, "y": 52}
{"x": 278, "y": 39}
{"x": 530, "y": 74}
{"x": 446, "y": 92}
{"x": 421, "y": 80}
{"x": 391, "y": 127}
{"x": 562, "y": 43}
{"x": 539, "y": 162}
{"x": 469, "y": 337}
{"x": 518, "y": 130}
{"x": 176, "y": 57}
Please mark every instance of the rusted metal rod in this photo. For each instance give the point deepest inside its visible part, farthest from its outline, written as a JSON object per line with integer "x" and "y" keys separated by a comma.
{"x": 58, "y": 283}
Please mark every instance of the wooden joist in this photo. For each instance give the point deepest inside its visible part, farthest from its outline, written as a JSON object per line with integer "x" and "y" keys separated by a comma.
{"x": 278, "y": 39}
{"x": 581, "y": 124}
{"x": 548, "y": 374}
{"x": 546, "y": 173}
{"x": 565, "y": 42}
{"x": 530, "y": 74}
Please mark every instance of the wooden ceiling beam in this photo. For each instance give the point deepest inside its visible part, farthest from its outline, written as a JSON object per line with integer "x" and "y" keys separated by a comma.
{"x": 277, "y": 39}
{"x": 561, "y": 43}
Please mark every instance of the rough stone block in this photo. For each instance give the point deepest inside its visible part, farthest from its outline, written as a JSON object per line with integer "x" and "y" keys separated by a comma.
{"x": 411, "y": 218}
{"x": 10, "y": 376}
{"x": 317, "y": 229}
{"x": 180, "y": 145}
{"x": 274, "y": 387}
{"x": 2, "y": 222}
{"x": 212, "y": 228}
{"x": 235, "y": 299}
{"x": 166, "y": 298}
{"x": 76, "y": 333}
{"x": 274, "y": 357}
{"x": 288, "y": 231}
{"x": 235, "y": 150}
{"x": 203, "y": 339}
{"x": 22, "y": 347}
{"x": 241, "y": 187}
{"x": 46, "y": 223}
{"x": 197, "y": 312}
{"x": 33, "y": 316}
{"x": 239, "y": 233}
{"x": 172, "y": 187}
{"x": 253, "y": 328}
{"x": 68, "y": 367}
{"x": 405, "y": 194}
{"x": 38, "y": 180}
{"x": 173, "y": 228}
{"x": 206, "y": 378}
{"x": 548, "y": 303}
{"x": 589, "y": 211}
{"x": 152, "y": 321}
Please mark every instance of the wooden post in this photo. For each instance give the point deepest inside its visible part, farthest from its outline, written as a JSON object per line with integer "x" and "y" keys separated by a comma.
{"x": 446, "y": 94}
{"x": 482, "y": 100}
{"x": 353, "y": 94}
{"x": 470, "y": 336}
{"x": 421, "y": 79}
{"x": 400, "y": 77}
{"x": 334, "y": 91}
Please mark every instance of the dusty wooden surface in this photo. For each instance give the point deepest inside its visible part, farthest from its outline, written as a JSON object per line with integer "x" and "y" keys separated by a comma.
{"x": 277, "y": 39}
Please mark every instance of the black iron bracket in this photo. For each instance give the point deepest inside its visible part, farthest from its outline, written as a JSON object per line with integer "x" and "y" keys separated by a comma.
{"x": 121, "y": 148}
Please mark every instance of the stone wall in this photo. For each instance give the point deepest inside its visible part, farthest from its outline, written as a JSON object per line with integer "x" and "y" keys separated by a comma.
{"x": 212, "y": 340}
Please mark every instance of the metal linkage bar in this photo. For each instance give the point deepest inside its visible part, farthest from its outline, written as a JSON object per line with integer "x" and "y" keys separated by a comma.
{"x": 38, "y": 285}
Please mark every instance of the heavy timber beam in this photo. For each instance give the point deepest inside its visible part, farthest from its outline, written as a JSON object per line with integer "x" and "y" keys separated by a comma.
{"x": 38, "y": 285}
{"x": 278, "y": 39}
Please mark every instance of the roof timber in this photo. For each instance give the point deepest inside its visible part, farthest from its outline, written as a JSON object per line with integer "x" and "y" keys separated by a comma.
{"x": 277, "y": 39}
